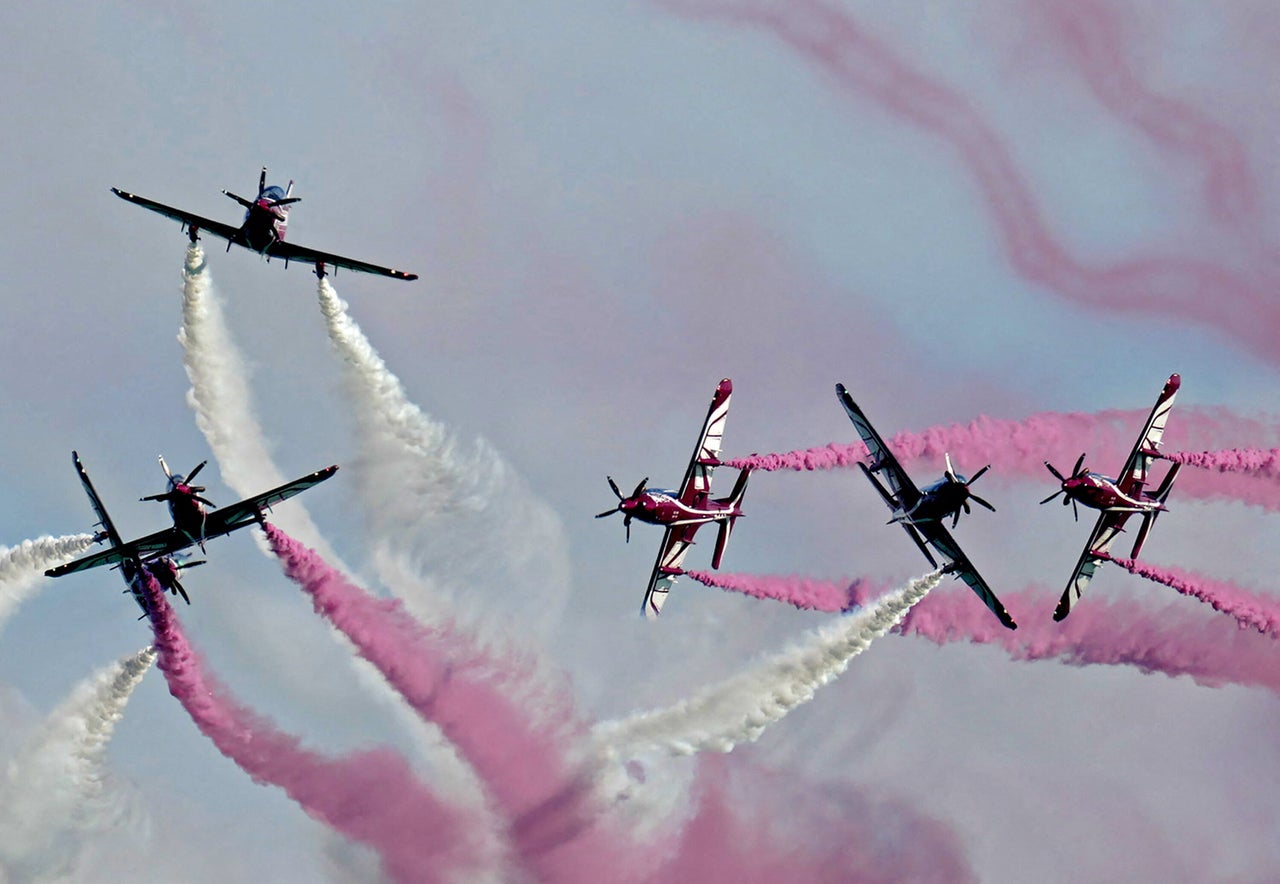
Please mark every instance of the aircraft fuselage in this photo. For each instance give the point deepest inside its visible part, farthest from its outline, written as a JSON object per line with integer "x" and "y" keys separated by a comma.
{"x": 661, "y": 507}
{"x": 938, "y": 501}
{"x": 188, "y": 513}
{"x": 264, "y": 223}
{"x": 1100, "y": 492}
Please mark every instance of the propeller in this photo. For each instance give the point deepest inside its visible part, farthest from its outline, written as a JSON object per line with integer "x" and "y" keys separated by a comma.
{"x": 626, "y": 518}
{"x": 241, "y": 200}
{"x": 953, "y": 478}
{"x": 1076, "y": 472}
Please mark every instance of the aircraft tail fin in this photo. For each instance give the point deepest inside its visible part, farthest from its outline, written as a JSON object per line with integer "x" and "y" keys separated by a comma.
{"x": 734, "y": 500}
{"x": 1149, "y": 518}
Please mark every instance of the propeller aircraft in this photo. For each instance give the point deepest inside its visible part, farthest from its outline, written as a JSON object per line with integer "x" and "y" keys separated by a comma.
{"x": 157, "y": 553}
{"x": 1118, "y": 499}
{"x": 266, "y": 220}
{"x": 685, "y": 510}
{"x": 921, "y": 512}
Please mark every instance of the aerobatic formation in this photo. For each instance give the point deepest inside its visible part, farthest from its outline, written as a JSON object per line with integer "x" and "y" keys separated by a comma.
{"x": 561, "y": 794}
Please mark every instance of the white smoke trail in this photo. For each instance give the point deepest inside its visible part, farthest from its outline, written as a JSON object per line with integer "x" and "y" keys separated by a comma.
{"x": 22, "y": 567}
{"x": 464, "y": 512}
{"x": 740, "y": 708}
{"x": 55, "y": 792}
{"x": 223, "y": 404}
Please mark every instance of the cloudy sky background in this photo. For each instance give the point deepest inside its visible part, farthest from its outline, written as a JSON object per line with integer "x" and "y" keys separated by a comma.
{"x": 611, "y": 208}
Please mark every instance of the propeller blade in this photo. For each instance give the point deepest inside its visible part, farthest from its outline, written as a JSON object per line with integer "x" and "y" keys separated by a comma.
{"x": 965, "y": 504}
{"x": 262, "y": 180}
{"x": 640, "y": 488}
{"x": 614, "y": 486}
{"x": 285, "y": 202}
{"x": 980, "y": 502}
{"x": 955, "y": 518}
{"x": 626, "y": 523}
{"x": 164, "y": 466}
{"x": 1051, "y": 496}
{"x": 191, "y": 475}
{"x": 1075, "y": 511}
{"x": 975, "y": 476}
{"x": 241, "y": 200}
{"x": 1079, "y": 463}
{"x": 951, "y": 473}
{"x": 606, "y": 513}
{"x": 182, "y": 592}
{"x": 1057, "y": 475}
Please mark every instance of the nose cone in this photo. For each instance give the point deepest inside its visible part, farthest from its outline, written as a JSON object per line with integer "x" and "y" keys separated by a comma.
{"x": 629, "y": 504}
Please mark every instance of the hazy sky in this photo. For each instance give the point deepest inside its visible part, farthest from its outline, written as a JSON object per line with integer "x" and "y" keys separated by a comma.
{"x": 1023, "y": 206}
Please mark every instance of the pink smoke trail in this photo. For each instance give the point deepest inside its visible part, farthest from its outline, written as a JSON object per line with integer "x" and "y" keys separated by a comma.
{"x": 1239, "y": 303}
{"x": 1248, "y": 608}
{"x": 525, "y": 758}
{"x": 371, "y": 797}
{"x": 1093, "y": 33}
{"x": 1018, "y": 448}
{"x": 805, "y": 593}
{"x": 1101, "y": 632}
{"x": 1260, "y": 462}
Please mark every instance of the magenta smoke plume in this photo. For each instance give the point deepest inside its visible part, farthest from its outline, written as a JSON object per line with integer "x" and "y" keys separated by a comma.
{"x": 1167, "y": 639}
{"x": 806, "y": 593}
{"x": 1250, "y": 610}
{"x": 523, "y": 753}
{"x": 371, "y": 797}
{"x": 1202, "y": 288}
{"x": 1019, "y": 448}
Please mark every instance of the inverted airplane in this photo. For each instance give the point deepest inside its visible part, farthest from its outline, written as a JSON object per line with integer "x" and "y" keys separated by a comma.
{"x": 266, "y": 220}
{"x": 921, "y": 512}
{"x": 192, "y": 526}
{"x": 687, "y": 509}
{"x": 1118, "y": 499}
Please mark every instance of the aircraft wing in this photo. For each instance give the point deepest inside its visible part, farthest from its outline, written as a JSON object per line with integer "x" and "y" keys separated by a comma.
{"x": 1108, "y": 527}
{"x": 1134, "y": 476}
{"x": 903, "y": 493}
{"x": 239, "y": 515}
{"x": 188, "y": 219}
{"x": 675, "y": 544}
{"x": 170, "y": 540}
{"x": 937, "y": 536}
{"x": 290, "y": 252}
{"x": 696, "y": 486}
{"x": 96, "y": 502}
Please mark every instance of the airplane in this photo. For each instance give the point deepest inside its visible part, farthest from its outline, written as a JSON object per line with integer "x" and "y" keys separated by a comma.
{"x": 192, "y": 525}
{"x": 1118, "y": 499}
{"x": 262, "y": 230}
{"x": 687, "y": 509}
{"x": 921, "y": 512}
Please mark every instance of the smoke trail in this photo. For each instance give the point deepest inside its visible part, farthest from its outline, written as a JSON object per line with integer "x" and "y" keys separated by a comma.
{"x": 1261, "y": 462}
{"x": 740, "y": 708}
{"x": 527, "y": 760}
{"x": 1249, "y": 609}
{"x": 1092, "y": 34}
{"x": 805, "y": 593}
{"x": 222, "y": 401}
{"x": 418, "y": 483}
{"x": 54, "y": 793}
{"x": 370, "y": 796}
{"x": 23, "y": 566}
{"x": 1192, "y": 288}
{"x": 1106, "y": 633}
{"x": 1018, "y": 448}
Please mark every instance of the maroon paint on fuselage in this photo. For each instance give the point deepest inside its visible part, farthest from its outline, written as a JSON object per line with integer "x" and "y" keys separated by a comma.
{"x": 1100, "y": 492}
{"x": 658, "y": 507}
{"x": 188, "y": 513}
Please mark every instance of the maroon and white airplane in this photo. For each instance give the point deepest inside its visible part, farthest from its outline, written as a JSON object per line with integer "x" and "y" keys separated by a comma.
{"x": 687, "y": 509}
{"x": 263, "y": 229}
{"x": 1117, "y": 498}
{"x": 192, "y": 526}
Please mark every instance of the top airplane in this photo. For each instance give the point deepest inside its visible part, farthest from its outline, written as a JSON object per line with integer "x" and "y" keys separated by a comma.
{"x": 263, "y": 229}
